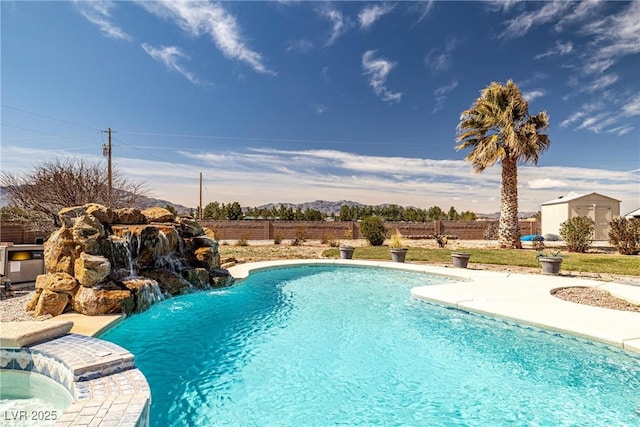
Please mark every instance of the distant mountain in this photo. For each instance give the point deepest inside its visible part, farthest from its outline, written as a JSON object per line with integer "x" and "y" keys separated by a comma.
{"x": 323, "y": 206}
{"x": 496, "y": 215}
{"x": 149, "y": 202}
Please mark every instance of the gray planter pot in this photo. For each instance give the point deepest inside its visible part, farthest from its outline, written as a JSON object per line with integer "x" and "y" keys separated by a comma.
{"x": 398, "y": 254}
{"x": 346, "y": 252}
{"x": 460, "y": 259}
{"x": 550, "y": 265}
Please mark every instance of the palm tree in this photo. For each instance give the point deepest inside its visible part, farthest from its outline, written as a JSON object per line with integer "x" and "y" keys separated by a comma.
{"x": 498, "y": 127}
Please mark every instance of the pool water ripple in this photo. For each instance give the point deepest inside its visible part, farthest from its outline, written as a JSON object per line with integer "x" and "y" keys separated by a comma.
{"x": 343, "y": 345}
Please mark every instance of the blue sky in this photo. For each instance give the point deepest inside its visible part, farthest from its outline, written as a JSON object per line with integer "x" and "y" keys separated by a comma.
{"x": 298, "y": 101}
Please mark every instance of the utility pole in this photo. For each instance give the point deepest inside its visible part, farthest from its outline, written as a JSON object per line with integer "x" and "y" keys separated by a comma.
{"x": 200, "y": 214}
{"x": 106, "y": 151}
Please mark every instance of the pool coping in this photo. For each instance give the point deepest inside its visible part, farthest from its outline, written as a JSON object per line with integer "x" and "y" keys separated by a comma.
{"x": 517, "y": 297}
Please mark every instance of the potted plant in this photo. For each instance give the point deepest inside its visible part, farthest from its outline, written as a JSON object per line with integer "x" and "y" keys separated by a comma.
{"x": 550, "y": 262}
{"x": 398, "y": 250}
{"x": 460, "y": 259}
{"x": 346, "y": 252}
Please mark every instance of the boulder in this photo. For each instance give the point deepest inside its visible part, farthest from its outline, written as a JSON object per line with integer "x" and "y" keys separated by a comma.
{"x": 169, "y": 282}
{"x": 209, "y": 233}
{"x": 102, "y": 213}
{"x": 146, "y": 292}
{"x": 61, "y": 251}
{"x": 157, "y": 214}
{"x": 33, "y": 302}
{"x": 207, "y": 258}
{"x": 93, "y": 302}
{"x": 52, "y": 303}
{"x": 87, "y": 231}
{"x": 69, "y": 215}
{"x": 198, "y": 277}
{"x": 91, "y": 269}
{"x": 129, "y": 216}
{"x": 188, "y": 227}
{"x": 56, "y": 282}
{"x": 220, "y": 278}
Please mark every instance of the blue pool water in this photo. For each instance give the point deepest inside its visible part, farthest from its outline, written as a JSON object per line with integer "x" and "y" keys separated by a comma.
{"x": 326, "y": 345}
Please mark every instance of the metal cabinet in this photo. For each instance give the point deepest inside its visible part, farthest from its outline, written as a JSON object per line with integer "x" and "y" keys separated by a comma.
{"x": 21, "y": 263}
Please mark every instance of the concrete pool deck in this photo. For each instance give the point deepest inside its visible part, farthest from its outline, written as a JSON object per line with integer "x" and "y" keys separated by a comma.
{"x": 522, "y": 298}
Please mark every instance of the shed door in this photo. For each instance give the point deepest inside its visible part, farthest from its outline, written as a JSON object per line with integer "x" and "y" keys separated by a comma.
{"x": 601, "y": 216}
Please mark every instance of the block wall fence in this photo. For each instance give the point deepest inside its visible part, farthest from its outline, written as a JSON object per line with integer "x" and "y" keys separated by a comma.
{"x": 268, "y": 230}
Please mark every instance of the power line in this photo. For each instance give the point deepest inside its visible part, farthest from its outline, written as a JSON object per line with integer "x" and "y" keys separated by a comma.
{"x": 46, "y": 133}
{"x": 48, "y": 117}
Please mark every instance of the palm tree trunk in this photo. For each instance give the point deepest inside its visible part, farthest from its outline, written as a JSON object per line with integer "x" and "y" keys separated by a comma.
{"x": 508, "y": 227}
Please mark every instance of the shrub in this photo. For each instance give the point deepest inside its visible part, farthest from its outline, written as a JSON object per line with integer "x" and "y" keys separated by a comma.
{"x": 277, "y": 239}
{"x": 538, "y": 243}
{"x": 374, "y": 230}
{"x": 243, "y": 240}
{"x": 577, "y": 233}
{"x": 348, "y": 234}
{"x": 624, "y": 234}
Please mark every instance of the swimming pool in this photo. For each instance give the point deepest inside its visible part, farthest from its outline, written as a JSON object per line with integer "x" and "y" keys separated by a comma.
{"x": 326, "y": 345}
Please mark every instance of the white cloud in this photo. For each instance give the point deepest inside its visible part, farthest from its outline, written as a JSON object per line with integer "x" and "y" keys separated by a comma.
{"x": 339, "y": 25}
{"x": 299, "y": 46}
{"x": 250, "y": 177}
{"x": 521, "y": 24}
{"x": 320, "y": 108}
{"x": 423, "y": 8}
{"x": 621, "y": 130}
{"x": 559, "y": 50}
{"x": 440, "y": 59}
{"x": 614, "y": 37}
{"x": 632, "y": 107}
{"x": 601, "y": 83}
{"x": 502, "y": 5}
{"x": 538, "y": 184}
{"x": 99, "y": 14}
{"x": 442, "y": 94}
{"x": 170, "y": 56}
{"x": 532, "y": 95}
{"x": 572, "y": 119}
{"x": 378, "y": 69}
{"x": 198, "y": 18}
{"x": 370, "y": 14}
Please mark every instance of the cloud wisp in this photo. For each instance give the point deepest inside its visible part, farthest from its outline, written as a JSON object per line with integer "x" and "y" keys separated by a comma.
{"x": 338, "y": 23}
{"x": 377, "y": 69}
{"x": 199, "y": 18}
{"x": 442, "y": 94}
{"x": 522, "y": 23}
{"x": 170, "y": 56}
{"x": 438, "y": 60}
{"x": 99, "y": 14}
{"x": 370, "y": 14}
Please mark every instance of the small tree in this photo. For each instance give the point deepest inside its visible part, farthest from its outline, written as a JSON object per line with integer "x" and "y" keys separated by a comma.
{"x": 374, "y": 230}
{"x": 577, "y": 233}
{"x": 624, "y": 234}
{"x": 61, "y": 183}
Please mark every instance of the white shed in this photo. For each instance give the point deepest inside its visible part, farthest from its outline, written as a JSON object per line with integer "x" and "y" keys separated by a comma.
{"x": 633, "y": 214}
{"x": 601, "y": 209}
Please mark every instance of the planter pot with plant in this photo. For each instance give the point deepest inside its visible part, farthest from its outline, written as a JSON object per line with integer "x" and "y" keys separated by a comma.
{"x": 550, "y": 263}
{"x": 460, "y": 259}
{"x": 397, "y": 248}
{"x": 346, "y": 252}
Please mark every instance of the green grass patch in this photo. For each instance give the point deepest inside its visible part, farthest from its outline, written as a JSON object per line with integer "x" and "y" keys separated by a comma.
{"x": 588, "y": 263}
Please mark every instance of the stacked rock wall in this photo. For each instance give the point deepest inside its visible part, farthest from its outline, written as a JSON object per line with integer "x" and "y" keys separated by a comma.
{"x": 104, "y": 261}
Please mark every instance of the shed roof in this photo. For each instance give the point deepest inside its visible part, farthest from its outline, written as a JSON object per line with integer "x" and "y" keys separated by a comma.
{"x": 633, "y": 214}
{"x": 575, "y": 196}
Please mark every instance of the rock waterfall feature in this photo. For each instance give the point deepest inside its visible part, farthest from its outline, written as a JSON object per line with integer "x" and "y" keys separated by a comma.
{"x": 105, "y": 261}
